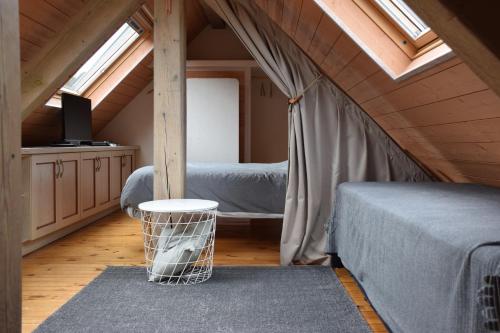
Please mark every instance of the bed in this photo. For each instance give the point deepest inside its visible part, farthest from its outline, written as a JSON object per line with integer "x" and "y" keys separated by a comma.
{"x": 243, "y": 190}
{"x": 424, "y": 253}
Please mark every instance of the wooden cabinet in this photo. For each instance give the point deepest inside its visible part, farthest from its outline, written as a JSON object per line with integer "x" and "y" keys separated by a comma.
{"x": 44, "y": 198}
{"x": 96, "y": 175}
{"x": 127, "y": 165}
{"x": 103, "y": 179}
{"x": 61, "y": 189}
{"x": 54, "y": 192}
{"x": 69, "y": 188}
{"x": 121, "y": 166}
{"x": 88, "y": 179}
{"x": 115, "y": 177}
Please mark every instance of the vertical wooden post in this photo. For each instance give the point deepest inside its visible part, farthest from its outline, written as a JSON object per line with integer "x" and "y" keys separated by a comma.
{"x": 169, "y": 99}
{"x": 10, "y": 169}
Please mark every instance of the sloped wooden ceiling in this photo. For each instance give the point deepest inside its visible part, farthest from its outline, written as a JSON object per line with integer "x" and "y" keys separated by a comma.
{"x": 40, "y": 21}
{"x": 445, "y": 117}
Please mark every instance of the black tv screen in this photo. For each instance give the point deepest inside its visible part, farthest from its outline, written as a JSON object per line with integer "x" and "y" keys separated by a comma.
{"x": 77, "y": 118}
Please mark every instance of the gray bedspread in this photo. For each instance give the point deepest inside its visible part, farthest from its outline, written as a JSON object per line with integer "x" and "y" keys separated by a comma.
{"x": 420, "y": 251}
{"x": 237, "y": 187}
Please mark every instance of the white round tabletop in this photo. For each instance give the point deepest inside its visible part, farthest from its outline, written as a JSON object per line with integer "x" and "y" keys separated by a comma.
{"x": 178, "y": 205}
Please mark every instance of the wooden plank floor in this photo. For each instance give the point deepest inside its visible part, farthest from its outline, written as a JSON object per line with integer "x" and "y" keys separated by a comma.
{"x": 53, "y": 274}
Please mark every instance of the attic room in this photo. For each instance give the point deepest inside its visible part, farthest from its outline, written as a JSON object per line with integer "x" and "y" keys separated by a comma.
{"x": 249, "y": 166}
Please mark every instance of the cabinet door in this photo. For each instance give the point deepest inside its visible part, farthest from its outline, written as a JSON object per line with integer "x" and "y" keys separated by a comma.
{"x": 102, "y": 179}
{"x": 127, "y": 165}
{"x": 88, "y": 181}
{"x": 44, "y": 172}
{"x": 115, "y": 176}
{"x": 68, "y": 189}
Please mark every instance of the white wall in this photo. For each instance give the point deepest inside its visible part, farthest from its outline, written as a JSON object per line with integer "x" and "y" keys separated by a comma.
{"x": 212, "y": 120}
{"x": 134, "y": 126}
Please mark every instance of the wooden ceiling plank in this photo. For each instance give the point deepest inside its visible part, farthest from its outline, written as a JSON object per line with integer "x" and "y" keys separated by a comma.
{"x": 464, "y": 41}
{"x": 321, "y": 46}
{"x": 43, "y": 13}
{"x": 72, "y": 48}
{"x": 381, "y": 84}
{"x": 117, "y": 98}
{"x": 359, "y": 69}
{"x": 488, "y": 128}
{"x": 456, "y": 132}
{"x": 33, "y": 31}
{"x": 275, "y": 10}
{"x": 342, "y": 53}
{"x": 28, "y": 50}
{"x": 127, "y": 90}
{"x": 291, "y": 14}
{"x": 69, "y": 7}
{"x": 136, "y": 82}
{"x": 456, "y": 81}
{"x": 474, "y": 106}
{"x": 141, "y": 72}
{"x": 487, "y": 152}
{"x": 310, "y": 16}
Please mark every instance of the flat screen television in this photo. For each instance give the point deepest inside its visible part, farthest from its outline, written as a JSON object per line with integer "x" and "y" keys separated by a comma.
{"x": 77, "y": 118}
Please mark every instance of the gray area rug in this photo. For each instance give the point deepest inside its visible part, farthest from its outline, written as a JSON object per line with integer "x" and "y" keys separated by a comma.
{"x": 234, "y": 299}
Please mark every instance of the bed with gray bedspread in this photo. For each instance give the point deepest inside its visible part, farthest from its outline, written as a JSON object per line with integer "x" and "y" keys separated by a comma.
{"x": 421, "y": 251}
{"x": 241, "y": 189}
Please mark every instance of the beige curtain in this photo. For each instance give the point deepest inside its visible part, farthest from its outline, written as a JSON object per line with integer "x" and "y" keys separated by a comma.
{"x": 331, "y": 139}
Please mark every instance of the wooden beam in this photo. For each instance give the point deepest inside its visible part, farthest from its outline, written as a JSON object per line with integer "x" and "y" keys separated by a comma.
{"x": 465, "y": 41}
{"x": 169, "y": 99}
{"x": 10, "y": 169}
{"x": 63, "y": 55}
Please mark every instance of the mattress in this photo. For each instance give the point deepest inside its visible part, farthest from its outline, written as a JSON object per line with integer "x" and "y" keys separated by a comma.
{"x": 251, "y": 190}
{"x": 420, "y": 251}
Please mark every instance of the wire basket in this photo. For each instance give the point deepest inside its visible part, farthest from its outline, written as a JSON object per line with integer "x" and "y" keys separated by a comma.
{"x": 179, "y": 246}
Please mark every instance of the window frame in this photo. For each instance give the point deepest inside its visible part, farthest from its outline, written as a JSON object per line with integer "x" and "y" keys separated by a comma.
{"x": 419, "y": 41}
{"x": 381, "y": 40}
{"x": 100, "y": 65}
{"x": 136, "y": 22}
{"x": 413, "y": 47}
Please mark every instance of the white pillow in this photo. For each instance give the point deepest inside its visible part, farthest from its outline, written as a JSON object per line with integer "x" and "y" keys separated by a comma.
{"x": 176, "y": 252}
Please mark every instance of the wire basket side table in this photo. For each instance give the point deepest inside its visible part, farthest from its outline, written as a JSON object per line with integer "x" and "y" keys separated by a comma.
{"x": 179, "y": 239}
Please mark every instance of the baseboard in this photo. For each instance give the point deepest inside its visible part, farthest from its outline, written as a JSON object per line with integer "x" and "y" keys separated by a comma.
{"x": 30, "y": 246}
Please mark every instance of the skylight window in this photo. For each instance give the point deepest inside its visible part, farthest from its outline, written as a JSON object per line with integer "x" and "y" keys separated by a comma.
{"x": 390, "y": 33}
{"x": 405, "y": 18}
{"x": 101, "y": 60}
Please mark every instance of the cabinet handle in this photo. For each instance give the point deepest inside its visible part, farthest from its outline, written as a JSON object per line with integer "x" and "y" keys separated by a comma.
{"x": 61, "y": 163}
{"x": 99, "y": 160}
{"x": 124, "y": 161}
{"x": 58, "y": 169}
{"x": 96, "y": 164}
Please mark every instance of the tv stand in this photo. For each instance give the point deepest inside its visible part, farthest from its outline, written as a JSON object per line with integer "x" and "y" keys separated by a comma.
{"x": 68, "y": 187}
